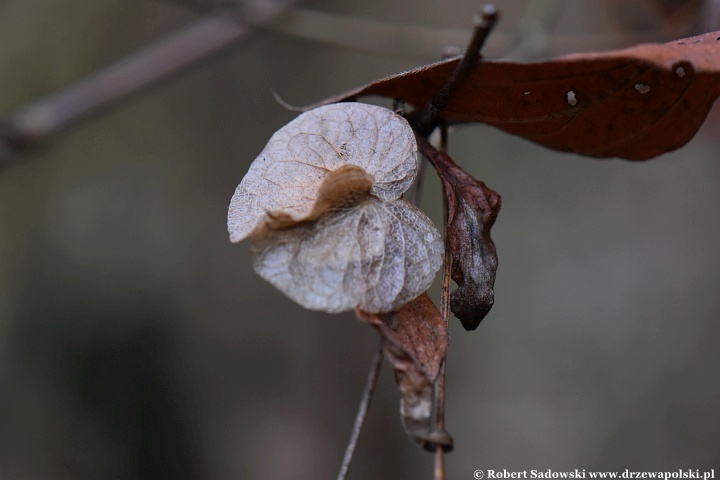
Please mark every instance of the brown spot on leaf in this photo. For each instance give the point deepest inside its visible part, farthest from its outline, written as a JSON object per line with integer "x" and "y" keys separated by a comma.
{"x": 472, "y": 208}
{"x": 643, "y": 127}
{"x": 414, "y": 341}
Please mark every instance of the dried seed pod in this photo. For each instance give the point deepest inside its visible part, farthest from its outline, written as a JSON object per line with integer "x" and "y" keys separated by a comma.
{"x": 322, "y": 205}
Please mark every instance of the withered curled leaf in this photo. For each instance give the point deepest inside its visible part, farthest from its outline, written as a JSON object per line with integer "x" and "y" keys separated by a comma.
{"x": 472, "y": 208}
{"x": 414, "y": 342}
{"x": 322, "y": 205}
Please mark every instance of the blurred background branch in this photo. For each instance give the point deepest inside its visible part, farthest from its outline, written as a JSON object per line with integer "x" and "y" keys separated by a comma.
{"x": 32, "y": 124}
{"x": 204, "y": 38}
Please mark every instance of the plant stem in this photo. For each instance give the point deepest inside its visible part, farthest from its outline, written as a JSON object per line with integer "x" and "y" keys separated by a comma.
{"x": 440, "y": 382}
{"x": 484, "y": 24}
{"x": 417, "y": 189}
{"x": 445, "y": 313}
{"x": 370, "y": 383}
{"x": 384, "y": 39}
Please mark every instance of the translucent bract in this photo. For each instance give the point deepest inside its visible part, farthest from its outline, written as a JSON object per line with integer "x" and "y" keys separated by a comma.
{"x": 322, "y": 205}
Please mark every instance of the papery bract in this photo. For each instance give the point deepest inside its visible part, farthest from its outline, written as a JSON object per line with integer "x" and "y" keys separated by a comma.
{"x": 322, "y": 205}
{"x": 287, "y": 174}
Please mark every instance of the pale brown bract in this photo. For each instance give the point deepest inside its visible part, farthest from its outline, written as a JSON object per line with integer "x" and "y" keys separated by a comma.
{"x": 322, "y": 204}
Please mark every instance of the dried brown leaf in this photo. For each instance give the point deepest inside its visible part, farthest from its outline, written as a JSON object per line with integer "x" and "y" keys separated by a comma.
{"x": 635, "y": 103}
{"x": 414, "y": 341}
{"x": 472, "y": 208}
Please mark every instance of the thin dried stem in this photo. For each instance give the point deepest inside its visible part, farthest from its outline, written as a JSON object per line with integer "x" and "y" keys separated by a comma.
{"x": 369, "y": 390}
{"x": 413, "y": 42}
{"x": 440, "y": 382}
{"x": 417, "y": 189}
{"x": 439, "y": 471}
{"x": 484, "y": 24}
{"x": 444, "y": 132}
{"x": 385, "y": 39}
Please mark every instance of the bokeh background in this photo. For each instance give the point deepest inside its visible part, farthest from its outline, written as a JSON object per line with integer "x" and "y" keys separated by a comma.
{"x": 136, "y": 341}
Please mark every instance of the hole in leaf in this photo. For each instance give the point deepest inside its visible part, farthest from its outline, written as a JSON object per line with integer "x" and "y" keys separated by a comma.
{"x": 642, "y": 88}
{"x": 681, "y": 43}
{"x": 684, "y": 70}
{"x": 571, "y": 100}
{"x": 526, "y": 93}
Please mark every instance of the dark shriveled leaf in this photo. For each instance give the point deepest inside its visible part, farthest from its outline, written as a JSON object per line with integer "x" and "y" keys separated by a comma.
{"x": 472, "y": 208}
{"x": 414, "y": 342}
{"x": 635, "y": 103}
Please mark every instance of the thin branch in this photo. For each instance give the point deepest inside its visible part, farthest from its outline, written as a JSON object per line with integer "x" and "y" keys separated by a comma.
{"x": 414, "y": 195}
{"x": 448, "y": 52}
{"x": 160, "y": 61}
{"x": 33, "y": 124}
{"x": 388, "y": 39}
{"x": 484, "y": 24}
{"x": 417, "y": 188}
{"x": 444, "y": 133}
{"x": 370, "y": 383}
{"x": 440, "y": 382}
{"x": 397, "y": 40}
{"x": 445, "y": 313}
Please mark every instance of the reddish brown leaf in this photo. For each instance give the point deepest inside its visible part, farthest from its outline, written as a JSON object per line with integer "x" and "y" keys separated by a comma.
{"x": 414, "y": 342}
{"x": 636, "y": 103}
{"x": 472, "y": 208}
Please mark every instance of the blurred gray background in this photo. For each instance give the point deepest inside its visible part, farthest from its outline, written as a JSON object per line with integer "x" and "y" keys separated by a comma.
{"x": 136, "y": 341}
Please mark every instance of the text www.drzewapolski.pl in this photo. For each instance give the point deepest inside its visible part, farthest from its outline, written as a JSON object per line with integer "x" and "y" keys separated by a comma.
{"x": 689, "y": 474}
